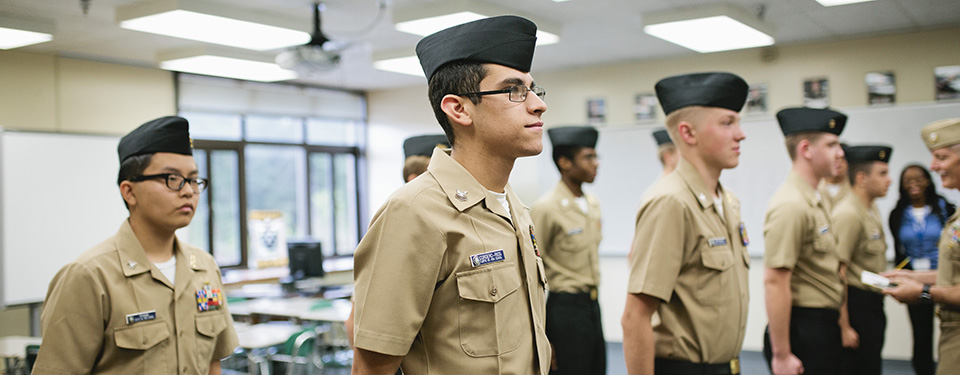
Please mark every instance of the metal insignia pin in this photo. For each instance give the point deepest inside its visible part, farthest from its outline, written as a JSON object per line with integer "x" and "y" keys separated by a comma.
{"x": 193, "y": 261}
{"x": 833, "y": 123}
{"x": 882, "y": 154}
{"x": 934, "y": 137}
{"x": 461, "y": 195}
{"x": 702, "y": 197}
{"x": 132, "y": 264}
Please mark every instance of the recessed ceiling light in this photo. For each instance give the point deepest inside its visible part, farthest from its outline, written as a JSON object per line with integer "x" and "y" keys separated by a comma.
{"x": 15, "y": 32}
{"x": 405, "y": 65}
{"x": 209, "y": 23}
{"x": 427, "y": 20}
{"x": 709, "y": 29}
{"x": 223, "y": 64}
{"x": 830, "y": 3}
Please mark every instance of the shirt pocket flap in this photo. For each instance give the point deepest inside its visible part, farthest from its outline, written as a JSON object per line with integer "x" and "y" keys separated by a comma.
{"x": 489, "y": 284}
{"x": 719, "y": 260}
{"x": 211, "y": 326}
{"x": 141, "y": 337}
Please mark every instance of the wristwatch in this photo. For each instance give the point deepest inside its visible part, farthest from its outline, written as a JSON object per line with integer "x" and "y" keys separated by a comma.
{"x": 925, "y": 295}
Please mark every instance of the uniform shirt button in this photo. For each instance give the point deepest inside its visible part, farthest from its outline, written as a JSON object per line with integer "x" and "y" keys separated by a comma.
{"x": 493, "y": 290}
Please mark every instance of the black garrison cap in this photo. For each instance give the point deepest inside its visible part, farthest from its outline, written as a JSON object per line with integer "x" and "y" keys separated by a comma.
{"x": 722, "y": 90}
{"x": 504, "y": 40}
{"x": 866, "y": 153}
{"x": 582, "y": 136}
{"x": 424, "y": 144}
{"x": 165, "y": 134}
{"x": 662, "y": 137}
{"x": 801, "y": 120}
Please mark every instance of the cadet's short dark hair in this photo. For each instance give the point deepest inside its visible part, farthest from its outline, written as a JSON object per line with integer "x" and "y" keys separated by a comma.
{"x": 453, "y": 78}
{"x": 569, "y": 152}
{"x": 865, "y": 167}
{"x": 133, "y": 167}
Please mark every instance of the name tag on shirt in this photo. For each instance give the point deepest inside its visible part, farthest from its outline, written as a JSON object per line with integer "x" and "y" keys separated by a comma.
{"x": 719, "y": 241}
{"x": 574, "y": 232}
{"x": 141, "y": 316}
{"x": 486, "y": 258}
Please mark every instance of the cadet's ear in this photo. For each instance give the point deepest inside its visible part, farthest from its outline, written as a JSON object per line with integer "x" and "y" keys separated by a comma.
{"x": 687, "y": 133}
{"x": 803, "y": 148}
{"x": 456, "y": 108}
{"x": 564, "y": 163}
{"x": 126, "y": 191}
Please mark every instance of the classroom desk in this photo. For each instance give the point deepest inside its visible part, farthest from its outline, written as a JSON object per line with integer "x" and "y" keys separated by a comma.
{"x": 309, "y": 309}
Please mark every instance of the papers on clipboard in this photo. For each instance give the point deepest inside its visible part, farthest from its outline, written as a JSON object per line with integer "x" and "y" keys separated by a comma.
{"x": 870, "y": 278}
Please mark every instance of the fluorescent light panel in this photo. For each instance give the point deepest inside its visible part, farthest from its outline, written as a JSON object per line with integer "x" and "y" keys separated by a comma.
{"x": 404, "y": 65}
{"x": 214, "y": 29}
{"x": 830, "y": 3}
{"x": 14, "y": 38}
{"x": 430, "y": 25}
{"x": 710, "y": 34}
{"x": 228, "y": 67}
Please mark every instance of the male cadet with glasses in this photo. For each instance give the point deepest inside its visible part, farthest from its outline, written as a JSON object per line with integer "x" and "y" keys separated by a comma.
{"x": 417, "y": 151}
{"x": 940, "y": 286}
{"x": 568, "y": 231}
{"x": 142, "y": 301}
{"x": 666, "y": 151}
{"x": 689, "y": 262}
{"x": 449, "y": 278}
{"x": 802, "y": 281}
{"x": 861, "y": 246}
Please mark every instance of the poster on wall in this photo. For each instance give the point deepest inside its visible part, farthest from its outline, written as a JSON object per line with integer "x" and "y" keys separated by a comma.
{"x": 756, "y": 98}
{"x": 947, "y": 81}
{"x": 816, "y": 93}
{"x": 596, "y": 110}
{"x": 645, "y": 107}
{"x": 881, "y": 88}
{"x": 268, "y": 239}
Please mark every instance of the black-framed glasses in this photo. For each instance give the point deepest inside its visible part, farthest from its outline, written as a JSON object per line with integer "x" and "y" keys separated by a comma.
{"x": 176, "y": 181}
{"x": 517, "y": 93}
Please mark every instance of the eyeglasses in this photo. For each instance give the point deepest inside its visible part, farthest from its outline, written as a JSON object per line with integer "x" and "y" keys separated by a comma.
{"x": 175, "y": 181}
{"x": 517, "y": 93}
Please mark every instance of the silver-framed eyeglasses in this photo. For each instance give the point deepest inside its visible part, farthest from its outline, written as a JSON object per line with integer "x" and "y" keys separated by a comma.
{"x": 517, "y": 93}
{"x": 176, "y": 181}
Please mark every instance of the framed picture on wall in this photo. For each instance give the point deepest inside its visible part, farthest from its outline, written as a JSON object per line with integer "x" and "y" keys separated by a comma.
{"x": 947, "y": 82}
{"x": 816, "y": 93}
{"x": 881, "y": 88}
{"x": 596, "y": 110}
{"x": 645, "y": 107}
{"x": 756, "y": 98}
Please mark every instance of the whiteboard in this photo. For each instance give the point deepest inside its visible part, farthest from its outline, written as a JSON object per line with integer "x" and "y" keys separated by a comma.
{"x": 59, "y": 198}
{"x": 629, "y": 164}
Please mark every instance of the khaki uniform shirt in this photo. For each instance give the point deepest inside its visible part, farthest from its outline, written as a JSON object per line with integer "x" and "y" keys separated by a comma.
{"x": 697, "y": 263}
{"x": 860, "y": 240}
{"x": 89, "y": 317}
{"x": 948, "y": 269}
{"x": 831, "y": 201}
{"x": 948, "y": 274}
{"x": 448, "y": 279}
{"x": 798, "y": 235}
{"x": 569, "y": 240}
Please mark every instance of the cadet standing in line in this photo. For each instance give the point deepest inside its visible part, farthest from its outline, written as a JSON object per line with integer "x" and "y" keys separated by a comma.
{"x": 861, "y": 246}
{"x": 689, "y": 262}
{"x": 941, "y": 286}
{"x": 666, "y": 151}
{"x": 802, "y": 281}
{"x": 449, "y": 278}
{"x": 142, "y": 302}
{"x": 834, "y": 189}
{"x": 417, "y": 151}
{"x": 568, "y": 226}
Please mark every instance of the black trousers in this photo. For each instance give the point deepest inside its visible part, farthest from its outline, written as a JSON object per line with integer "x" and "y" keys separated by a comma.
{"x": 921, "y": 319}
{"x": 868, "y": 319}
{"x": 814, "y": 339}
{"x": 573, "y": 327}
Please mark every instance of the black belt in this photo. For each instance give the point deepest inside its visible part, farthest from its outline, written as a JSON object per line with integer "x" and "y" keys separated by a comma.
{"x": 591, "y": 295}
{"x": 822, "y": 314}
{"x": 672, "y": 366}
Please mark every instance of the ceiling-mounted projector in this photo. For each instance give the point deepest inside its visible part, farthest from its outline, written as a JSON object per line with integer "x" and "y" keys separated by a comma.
{"x": 320, "y": 53}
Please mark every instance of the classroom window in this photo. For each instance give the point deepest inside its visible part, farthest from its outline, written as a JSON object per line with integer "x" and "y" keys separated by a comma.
{"x": 276, "y": 165}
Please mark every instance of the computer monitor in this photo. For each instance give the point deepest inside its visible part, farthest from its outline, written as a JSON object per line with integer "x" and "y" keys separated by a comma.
{"x": 306, "y": 259}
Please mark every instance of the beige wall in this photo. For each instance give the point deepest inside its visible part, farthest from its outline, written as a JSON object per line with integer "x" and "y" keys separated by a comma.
{"x": 49, "y": 93}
